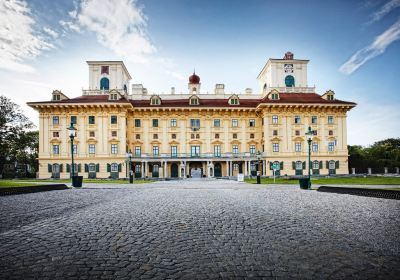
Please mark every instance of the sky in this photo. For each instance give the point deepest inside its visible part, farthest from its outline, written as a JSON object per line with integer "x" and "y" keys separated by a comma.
{"x": 353, "y": 48}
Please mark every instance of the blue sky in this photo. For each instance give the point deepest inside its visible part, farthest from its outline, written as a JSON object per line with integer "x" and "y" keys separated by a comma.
{"x": 353, "y": 47}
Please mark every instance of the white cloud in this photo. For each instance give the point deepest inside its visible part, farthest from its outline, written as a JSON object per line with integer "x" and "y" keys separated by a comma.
{"x": 51, "y": 32}
{"x": 18, "y": 41}
{"x": 385, "y": 9}
{"x": 119, "y": 26}
{"x": 175, "y": 74}
{"x": 377, "y": 47}
{"x": 69, "y": 25}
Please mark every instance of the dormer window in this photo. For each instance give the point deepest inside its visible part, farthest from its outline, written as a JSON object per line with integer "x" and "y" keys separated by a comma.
{"x": 113, "y": 96}
{"x": 274, "y": 96}
{"x": 329, "y": 95}
{"x": 194, "y": 100}
{"x": 155, "y": 100}
{"x": 56, "y": 97}
{"x": 233, "y": 100}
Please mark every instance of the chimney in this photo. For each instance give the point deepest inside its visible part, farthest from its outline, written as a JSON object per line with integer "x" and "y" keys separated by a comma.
{"x": 248, "y": 91}
{"x": 219, "y": 89}
{"x": 172, "y": 90}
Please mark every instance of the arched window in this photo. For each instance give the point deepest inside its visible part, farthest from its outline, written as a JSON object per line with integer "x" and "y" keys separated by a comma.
{"x": 265, "y": 88}
{"x": 315, "y": 164}
{"x": 289, "y": 81}
{"x": 104, "y": 84}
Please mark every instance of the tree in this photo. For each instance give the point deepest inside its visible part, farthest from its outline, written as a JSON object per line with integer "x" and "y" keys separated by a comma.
{"x": 17, "y": 143}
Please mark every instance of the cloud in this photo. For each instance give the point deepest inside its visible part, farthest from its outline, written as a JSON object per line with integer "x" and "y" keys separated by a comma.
{"x": 377, "y": 47}
{"x": 18, "y": 40}
{"x": 120, "y": 27}
{"x": 385, "y": 9}
{"x": 51, "y": 32}
{"x": 69, "y": 25}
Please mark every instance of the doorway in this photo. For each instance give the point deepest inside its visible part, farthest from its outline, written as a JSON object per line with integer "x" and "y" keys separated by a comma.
{"x": 174, "y": 170}
{"x": 217, "y": 170}
{"x": 55, "y": 171}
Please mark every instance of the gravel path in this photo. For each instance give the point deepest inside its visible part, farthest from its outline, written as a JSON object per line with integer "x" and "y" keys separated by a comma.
{"x": 198, "y": 229}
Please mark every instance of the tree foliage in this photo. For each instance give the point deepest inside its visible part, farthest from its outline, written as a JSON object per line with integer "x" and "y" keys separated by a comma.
{"x": 381, "y": 154}
{"x": 18, "y": 143}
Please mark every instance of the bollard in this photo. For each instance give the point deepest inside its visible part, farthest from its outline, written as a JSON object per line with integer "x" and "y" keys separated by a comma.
{"x": 397, "y": 170}
{"x": 386, "y": 170}
{"x": 369, "y": 171}
{"x": 353, "y": 171}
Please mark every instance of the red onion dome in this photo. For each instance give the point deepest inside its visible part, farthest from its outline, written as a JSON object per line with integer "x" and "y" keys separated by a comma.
{"x": 194, "y": 79}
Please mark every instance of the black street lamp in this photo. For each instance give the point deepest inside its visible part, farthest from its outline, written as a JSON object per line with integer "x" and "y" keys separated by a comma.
{"x": 129, "y": 157}
{"x": 259, "y": 165}
{"x": 309, "y": 134}
{"x": 72, "y": 135}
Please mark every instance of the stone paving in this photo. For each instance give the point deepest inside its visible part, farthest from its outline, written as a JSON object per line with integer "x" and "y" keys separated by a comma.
{"x": 198, "y": 229}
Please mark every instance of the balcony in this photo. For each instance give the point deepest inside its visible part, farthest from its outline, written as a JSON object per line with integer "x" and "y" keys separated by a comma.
{"x": 204, "y": 156}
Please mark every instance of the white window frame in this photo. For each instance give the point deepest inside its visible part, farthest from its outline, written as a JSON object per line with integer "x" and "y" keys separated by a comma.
{"x": 114, "y": 149}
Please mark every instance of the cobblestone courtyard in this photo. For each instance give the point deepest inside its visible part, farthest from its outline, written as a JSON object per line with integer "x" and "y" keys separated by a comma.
{"x": 198, "y": 229}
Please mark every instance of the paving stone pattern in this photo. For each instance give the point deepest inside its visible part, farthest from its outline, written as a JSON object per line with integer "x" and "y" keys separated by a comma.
{"x": 198, "y": 229}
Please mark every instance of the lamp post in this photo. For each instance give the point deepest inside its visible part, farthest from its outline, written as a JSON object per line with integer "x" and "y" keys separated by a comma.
{"x": 309, "y": 134}
{"x": 72, "y": 135}
{"x": 129, "y": 157}
{"x": 259, "y": 165}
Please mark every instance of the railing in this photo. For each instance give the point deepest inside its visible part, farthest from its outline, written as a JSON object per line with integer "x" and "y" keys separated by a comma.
{"x": 99, "y": 91}
{"x": 294, "y": 89}
{"x": 198, "y": 156}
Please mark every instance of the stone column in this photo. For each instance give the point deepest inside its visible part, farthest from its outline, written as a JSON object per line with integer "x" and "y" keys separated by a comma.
{"x": 227, "y": 168}
{"x": 161, "y": 170}
{"x": 146, "y": 169}
{"x": 353, "y": 171}
{"x": 230, "y": 168}
{"x": 369, "y": 171}
{"x": 142, "y": 169}
{"x": 245, "y": 168}
{"x": 165, "y": 169}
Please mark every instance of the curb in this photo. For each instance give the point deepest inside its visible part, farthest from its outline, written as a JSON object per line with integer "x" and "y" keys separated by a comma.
{"x": 388, "y": 194}
{"x": 32, "y": 189}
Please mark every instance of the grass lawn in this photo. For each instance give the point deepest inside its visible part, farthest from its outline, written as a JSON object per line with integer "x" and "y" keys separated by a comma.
{"x": 33, "y": 182}
{"x": 334, "y": 181}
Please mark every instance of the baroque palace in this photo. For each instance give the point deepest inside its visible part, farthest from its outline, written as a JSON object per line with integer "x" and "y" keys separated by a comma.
{"x": 194, "y": 134}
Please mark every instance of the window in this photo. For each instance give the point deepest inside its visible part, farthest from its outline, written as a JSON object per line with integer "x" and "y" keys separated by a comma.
{"x": 155, "y": 101}
{"x": 91, "y": 134}
{"x": 114, "y": 148}
{"x": 104, "y": 84}
{"x": 252, "y": 149}
{"x": 92, "y": 149}
{"x": 197, "y": 136}
{"x": 155, "y": 136}
{"x": 137, "y": 123}
{"x": 137, "y": 136}
{"x": 297, "y": 146}
{"x": 297, "y": 119}
{"x": 315, "y": 132}
{"x": 235, "y": 149}
{"x": 56, "y": 134}
{"x": 275, "y": 132}
{"x": 113, "y": 96}
{"x": 251, "y": 135}
{"x": 329, "y": 97}
{"x": 113, "y": 119}
{"x": 56, "y": 120}
{"x": 314, "y": 146}
{"x": 155, "y": 151}
{"x": 195, "y": 151}
{"x": 275, "y": 119}
{"x": 138, "y": 151}
{"x": 114, "y": 167}
{"x": 330, "y": 119}
{"x": 173, "y": 136}
{"x": 216, "y": 135}
{"x": 75, "y": 149}
{"x": 274, "y": 96}
{"x": 217, "y": 123}
{"x": 314, "y": 119}
{"x": 235, "y": 123}
{"x": 73, "y": 120}
{"x": 236, "y": 166}
{"x": 56, "y": 149}
{"x": 332, "y": 164}
{"x": 194, "y": 101}
{"x": 299, "y": 165}
{"x": 315, "y": 164}
{"x": 252, "y": 123}
{"x": 289, "y": 81}
{"x": 275, "y": 147}
{"x": 173, "y": 122}
{"x": 297, "y": 132}
{"x": 113, "y": 133}
{"x": 56, "y": 97}
{"x": 192, "y": 136}
{"x": 174, "y": 151}
{"x": 91, "y": 120}
{"x": 330, "y": 132}
{"x": 155, "y": 122}
{"x": 234, "y": 136}
{"x": 234, "y": 101}
{"x": 331, "y": 146}
{"x": 194, "y": 123}
{"x": 217, "y": 150}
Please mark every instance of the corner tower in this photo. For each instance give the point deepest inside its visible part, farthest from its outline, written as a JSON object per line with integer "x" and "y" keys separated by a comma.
{"x": 108, "y": 75}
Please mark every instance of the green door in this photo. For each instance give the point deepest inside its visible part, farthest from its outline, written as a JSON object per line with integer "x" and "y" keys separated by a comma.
{"x": 174, "y": 170}
{"x": 155, "y": 173}
{"x": 217, "y": 170}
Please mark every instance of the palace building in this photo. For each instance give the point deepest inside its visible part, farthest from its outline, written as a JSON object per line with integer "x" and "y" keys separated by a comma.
{"x": 194, "y": 134}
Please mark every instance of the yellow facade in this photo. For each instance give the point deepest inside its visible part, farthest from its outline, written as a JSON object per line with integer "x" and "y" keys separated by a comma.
{"x": 206, "y": 138}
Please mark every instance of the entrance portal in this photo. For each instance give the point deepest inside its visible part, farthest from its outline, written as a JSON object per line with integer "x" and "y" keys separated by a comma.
{"x": 174, "y": 170}
{"x": 196, "y": 170}
{"x": 217, "y": 170}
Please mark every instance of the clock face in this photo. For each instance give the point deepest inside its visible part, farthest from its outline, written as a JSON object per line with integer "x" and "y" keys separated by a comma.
{"x": 288, "y": 68}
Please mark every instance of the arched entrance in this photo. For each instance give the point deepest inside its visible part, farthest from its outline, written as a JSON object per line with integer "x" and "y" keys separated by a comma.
{"x": 217, "y": 170}
{"x": 174, "y": 170}
{"x": 196, "y": 170}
